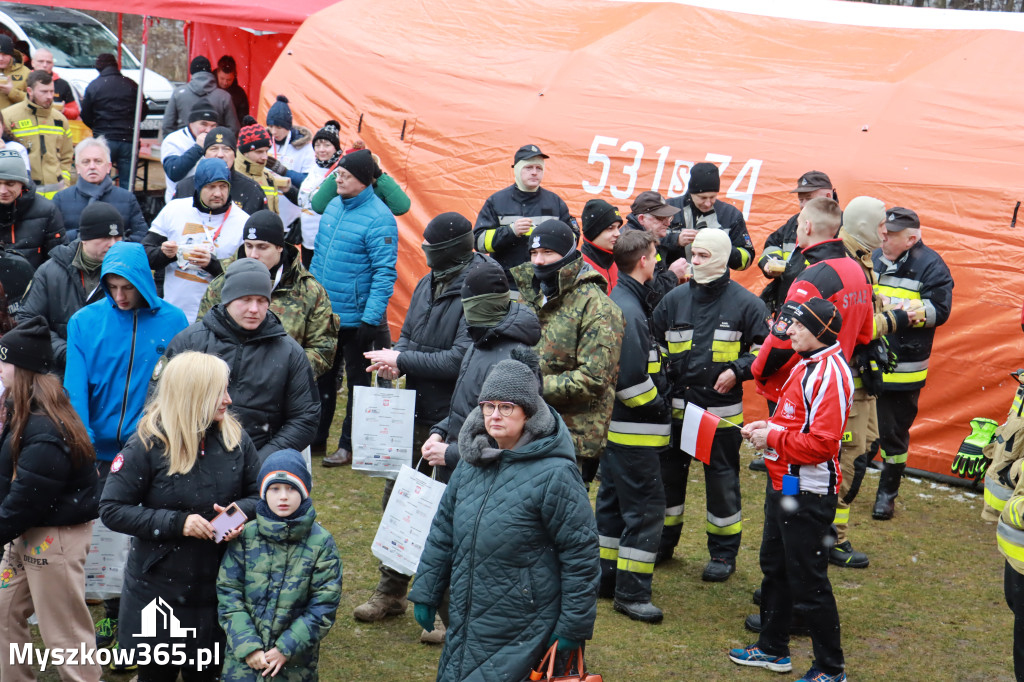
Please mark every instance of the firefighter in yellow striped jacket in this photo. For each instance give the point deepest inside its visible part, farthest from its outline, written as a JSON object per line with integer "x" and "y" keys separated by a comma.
{"x": 251, "y": 160}
{"x": 45, "y": 132}
{"x": 708, "y": 327}
{"x": 631, "y": 500}
{"x": 1010, "y": 539}
{"x": 913, "y": 277}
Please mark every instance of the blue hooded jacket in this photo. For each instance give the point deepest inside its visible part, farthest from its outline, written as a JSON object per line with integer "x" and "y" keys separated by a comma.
{"x": 112, "y": 353}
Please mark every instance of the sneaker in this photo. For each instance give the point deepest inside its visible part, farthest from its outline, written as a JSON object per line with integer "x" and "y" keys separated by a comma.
{"x": 753, "y": 656}
{"x": 757, "y": 464}
{"x": 116, "y": 664}
{"x": 718, "y": 571}
{"x": 844, "y": 554}
{"x": 106, "y": 632}
{"x": 379, "y": 606}
{"x": 815, "y": 675}
{"x": 643, "y": 611}
{"x": 435, "y": 636}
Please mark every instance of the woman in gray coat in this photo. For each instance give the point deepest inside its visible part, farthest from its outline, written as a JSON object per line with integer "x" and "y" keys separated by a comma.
{"x": 514, "y": 538}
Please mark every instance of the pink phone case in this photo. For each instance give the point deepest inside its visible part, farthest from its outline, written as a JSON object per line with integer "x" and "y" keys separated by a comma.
{"x": 228, "y": 520}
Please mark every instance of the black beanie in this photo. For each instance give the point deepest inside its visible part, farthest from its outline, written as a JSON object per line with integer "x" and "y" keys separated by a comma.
{"x": 330, "y": 133}
{"x": 360, "y": 164}
{"x": 704, "y": 178}
{"x": 15, "y": 276}
{"x": 446, "y": 227}
{"x": 819, "y": 316}
{"x": 246, "y": 277}
{"x": 28, "y": 346}
{"x": 202, "y": 111}
{"x": 105, "y": 59}
{"x": 554, "y": 235}
{"x": 199, "y": 64}
{"x": 486, "y": 278}
{"x": 220, "y": 135}
{"x": 598, "y": 214}
{"x": 100, "y": 220}
{"x": 6, "y": 44}
{"x": 265, "y": 226}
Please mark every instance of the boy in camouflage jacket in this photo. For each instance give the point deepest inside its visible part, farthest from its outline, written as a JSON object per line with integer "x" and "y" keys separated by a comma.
{"x": 279, "y": 582}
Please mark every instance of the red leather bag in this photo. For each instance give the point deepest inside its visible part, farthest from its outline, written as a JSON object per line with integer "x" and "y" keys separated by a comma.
{"x": 549, "y": 675}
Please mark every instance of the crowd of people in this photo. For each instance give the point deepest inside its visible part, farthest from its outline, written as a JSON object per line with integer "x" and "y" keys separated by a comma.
{"x": 202, "y": 353}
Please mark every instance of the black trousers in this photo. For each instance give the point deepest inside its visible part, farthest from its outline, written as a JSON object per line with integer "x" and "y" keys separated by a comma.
{"x": 630, "y": 516}
{"x": 721, "y": 490}
{"x": 350, "y": 357}
{"x": 896, "y": 413}
{"x": 1013, "y": 589}
{"x": 794, "y": 561}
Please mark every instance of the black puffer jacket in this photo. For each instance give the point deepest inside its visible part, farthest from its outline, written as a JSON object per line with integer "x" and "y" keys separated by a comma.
{"x": 57, "y": 293}
{"x": 31, "y": 226}
{"x": 491, "y": 345}
{"x": 434, "y": 339}
{"x": 245, "y": 192}
{"x": 272, "y": 388}
{"x": 49, "y": 490}
{"x": 142, "y": 500}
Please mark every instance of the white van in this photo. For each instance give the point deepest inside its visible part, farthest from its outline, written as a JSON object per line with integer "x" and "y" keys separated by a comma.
{"x": 75, "y": 39}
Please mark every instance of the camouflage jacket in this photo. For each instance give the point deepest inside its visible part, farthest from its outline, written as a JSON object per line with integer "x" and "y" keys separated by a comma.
{"x": 300, "y": 302}
{"x": 581, "y": 336}
{"x": 259, "y": 174}
{"x": 279, "y": 586}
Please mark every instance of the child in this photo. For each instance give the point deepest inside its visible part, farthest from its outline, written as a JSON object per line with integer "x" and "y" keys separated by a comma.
{"x": 279, "y": 582}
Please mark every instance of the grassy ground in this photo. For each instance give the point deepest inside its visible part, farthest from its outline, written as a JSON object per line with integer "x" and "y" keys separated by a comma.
{"x": 929, "y": 607}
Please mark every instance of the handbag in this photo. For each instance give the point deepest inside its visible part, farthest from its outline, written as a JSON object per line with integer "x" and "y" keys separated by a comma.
{"x": 549, "y": 676}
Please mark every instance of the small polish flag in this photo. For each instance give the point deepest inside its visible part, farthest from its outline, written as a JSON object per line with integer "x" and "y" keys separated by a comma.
{"x": 698, "y": 431}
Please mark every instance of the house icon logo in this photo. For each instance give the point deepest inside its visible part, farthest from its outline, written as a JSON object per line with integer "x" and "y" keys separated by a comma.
{"x": 158, "y": 614}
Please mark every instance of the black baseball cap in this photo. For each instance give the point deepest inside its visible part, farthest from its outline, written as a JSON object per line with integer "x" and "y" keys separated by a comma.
{"x": 812, "y": 180}
{"x": 898, "y": 219}
{"x": 652, "y": 203}
{"x": 528, "y": 151}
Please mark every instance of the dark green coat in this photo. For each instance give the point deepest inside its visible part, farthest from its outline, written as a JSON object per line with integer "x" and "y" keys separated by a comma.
{"x": 515, "y": 540}
{"x": 279, "y": 586}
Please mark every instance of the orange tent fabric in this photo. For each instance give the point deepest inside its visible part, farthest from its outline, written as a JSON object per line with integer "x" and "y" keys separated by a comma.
{"x": 917, "y": 107}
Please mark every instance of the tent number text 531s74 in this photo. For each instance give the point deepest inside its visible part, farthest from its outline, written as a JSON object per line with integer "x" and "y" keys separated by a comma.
{"x": 741, "y": 189}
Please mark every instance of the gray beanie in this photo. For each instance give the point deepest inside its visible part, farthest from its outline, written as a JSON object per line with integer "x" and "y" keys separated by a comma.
{"x": 12, "y": 166}
{"x": 513, "y": 381}
{"x": 246, "y": 277}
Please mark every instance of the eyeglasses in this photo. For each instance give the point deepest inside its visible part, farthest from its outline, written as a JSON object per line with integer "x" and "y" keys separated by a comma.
{"x": 504, "y": 409}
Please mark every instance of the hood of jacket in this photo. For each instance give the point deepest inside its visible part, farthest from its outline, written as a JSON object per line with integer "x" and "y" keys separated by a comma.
{"x": 547, "y": 435}
{"x": 128, "y": 260}
{"x": 519, "y": 324}
{"x": 300, "y": 137}
{"x": 202, "y": 83}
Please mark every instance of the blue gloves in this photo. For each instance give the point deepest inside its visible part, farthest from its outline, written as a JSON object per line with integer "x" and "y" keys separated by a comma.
{"x": 424, "y": 615}
{"x": 564, "y": 644}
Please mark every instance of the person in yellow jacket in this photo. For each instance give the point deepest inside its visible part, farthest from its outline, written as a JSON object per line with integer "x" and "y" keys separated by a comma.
{"x": 45, "y": 133}
{"x": 1010, "y": 538}
{"x": 251, "y": 159}
{"x": 13, "y": 73}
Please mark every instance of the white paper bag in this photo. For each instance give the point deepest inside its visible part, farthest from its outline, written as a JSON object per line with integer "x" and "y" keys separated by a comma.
{"x": 104, "y": 565}
{"x": 382, "y": 429}
{"x": 403, "y": 530}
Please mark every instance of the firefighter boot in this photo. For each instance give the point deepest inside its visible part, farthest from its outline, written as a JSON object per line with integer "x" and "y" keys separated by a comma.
{"x": 888, "y": 489}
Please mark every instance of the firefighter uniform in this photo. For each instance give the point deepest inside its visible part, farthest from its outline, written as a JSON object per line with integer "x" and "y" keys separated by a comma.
{"x": 705, "y": 329}
{"x": 631, "y": 500}
{"x": 723, "y": 216}
{"x": 493, "y": 233}
{"x": 47, "y": 136}
{"x": 17, "y": 73}
{"x": 259, "y": 174}
{"x": 919, "y": 277}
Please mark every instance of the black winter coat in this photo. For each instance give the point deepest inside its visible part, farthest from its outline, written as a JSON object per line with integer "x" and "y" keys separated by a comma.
{"x": 245, "y": 191}
{"x": 272, "y": 388}
{"x": 493, "y": 233}
{"x": 57, "y": 293}
{"x": 433, "y": 341}
{"x": 32, "y": 226}
{"x": 491, "y": 345}
{"x": 72, "y": 201}
{"x": 49, "y": 490}
{"x": 108, "y": 105}
{"x": 140, "y": 499}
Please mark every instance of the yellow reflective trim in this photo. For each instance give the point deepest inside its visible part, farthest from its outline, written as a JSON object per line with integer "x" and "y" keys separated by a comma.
{"x": 674, "y": 520}
{"x": 639, "y": 440}
{"x": 847, "y": 436}
{"x": 993, "y": 501}
{"x": 1009, "y": 549}
{"x": 634, "y": 566}
{"x": 725, "y": 351}
{"x": 680, "y": 347}
{"x": 897, "y": 292}
{"x": 269, "y": 191}
{"x": 653, "y": 367}
{"x": 735, "y": 419}
{"x": 895, "y": 459}
{"x": 745, "y": 258}
{"x": 858, "y": 382}
{"x": 731, "y": 529}
{"x": 842, "y": 516}
{"x": 904, "y": 377}
{"x": 642, "y": 399}
{"x": 489, "y": 240}
{"x": 1013, "y": 512}
{"x": 609, "y": 553}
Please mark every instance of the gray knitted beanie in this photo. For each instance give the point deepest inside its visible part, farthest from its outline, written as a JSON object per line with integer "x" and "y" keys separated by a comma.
{"x": 513, "y": 381}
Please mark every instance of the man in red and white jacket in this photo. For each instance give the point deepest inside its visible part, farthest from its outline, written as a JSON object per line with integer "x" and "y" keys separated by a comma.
{"x": 801, "y": 442}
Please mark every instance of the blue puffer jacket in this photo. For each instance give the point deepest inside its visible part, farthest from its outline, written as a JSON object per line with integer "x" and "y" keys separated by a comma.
{"x": 354, "y": 257}
{"x": 515, "y": 539}
{"x": 111, "y": 353}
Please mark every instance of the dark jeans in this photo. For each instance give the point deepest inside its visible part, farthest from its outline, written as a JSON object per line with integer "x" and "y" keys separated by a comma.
{"x": 121, "y": 156}
{"x": 794, "y": 560}
{"x": 1013, "y": 589}
{"x": 307, "y": 257}
{"x": 349, "y": 357}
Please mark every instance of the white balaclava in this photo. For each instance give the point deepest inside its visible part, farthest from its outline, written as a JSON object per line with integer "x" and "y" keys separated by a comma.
{"x": 861, "y": 219}
{"x": 720, "y": 247}
{"x": 517, "y": 170}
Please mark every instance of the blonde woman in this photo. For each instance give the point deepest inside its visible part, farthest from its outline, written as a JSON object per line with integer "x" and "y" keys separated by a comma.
{"x": 188, "y": 460}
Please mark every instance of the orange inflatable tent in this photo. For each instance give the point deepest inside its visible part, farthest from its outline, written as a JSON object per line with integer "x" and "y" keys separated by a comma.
{"x": 920, "y": 108}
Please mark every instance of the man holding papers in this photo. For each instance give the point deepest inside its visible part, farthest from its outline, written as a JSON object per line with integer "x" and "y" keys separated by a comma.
{"x": 707, "y": 328}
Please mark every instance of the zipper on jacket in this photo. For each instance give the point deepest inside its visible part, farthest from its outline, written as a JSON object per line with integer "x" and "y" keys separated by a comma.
{"x": 128, "y": 379}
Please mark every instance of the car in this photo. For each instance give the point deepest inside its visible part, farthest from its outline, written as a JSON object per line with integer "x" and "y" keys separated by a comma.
{"x": 75, "y": 39}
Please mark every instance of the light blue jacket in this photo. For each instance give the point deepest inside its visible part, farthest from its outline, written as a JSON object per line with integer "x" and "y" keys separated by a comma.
{"x": 112, "y": 353}
{"x": 354, "y": 257}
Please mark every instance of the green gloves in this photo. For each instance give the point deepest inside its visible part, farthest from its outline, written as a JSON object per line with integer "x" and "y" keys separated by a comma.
{"x": 424, "y": 615}
{"x": 564, "y": 644}
{"x": 970, "y": 461}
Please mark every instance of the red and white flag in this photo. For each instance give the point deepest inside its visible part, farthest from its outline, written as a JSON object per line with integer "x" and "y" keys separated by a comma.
{"x": 698, "y": 431}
